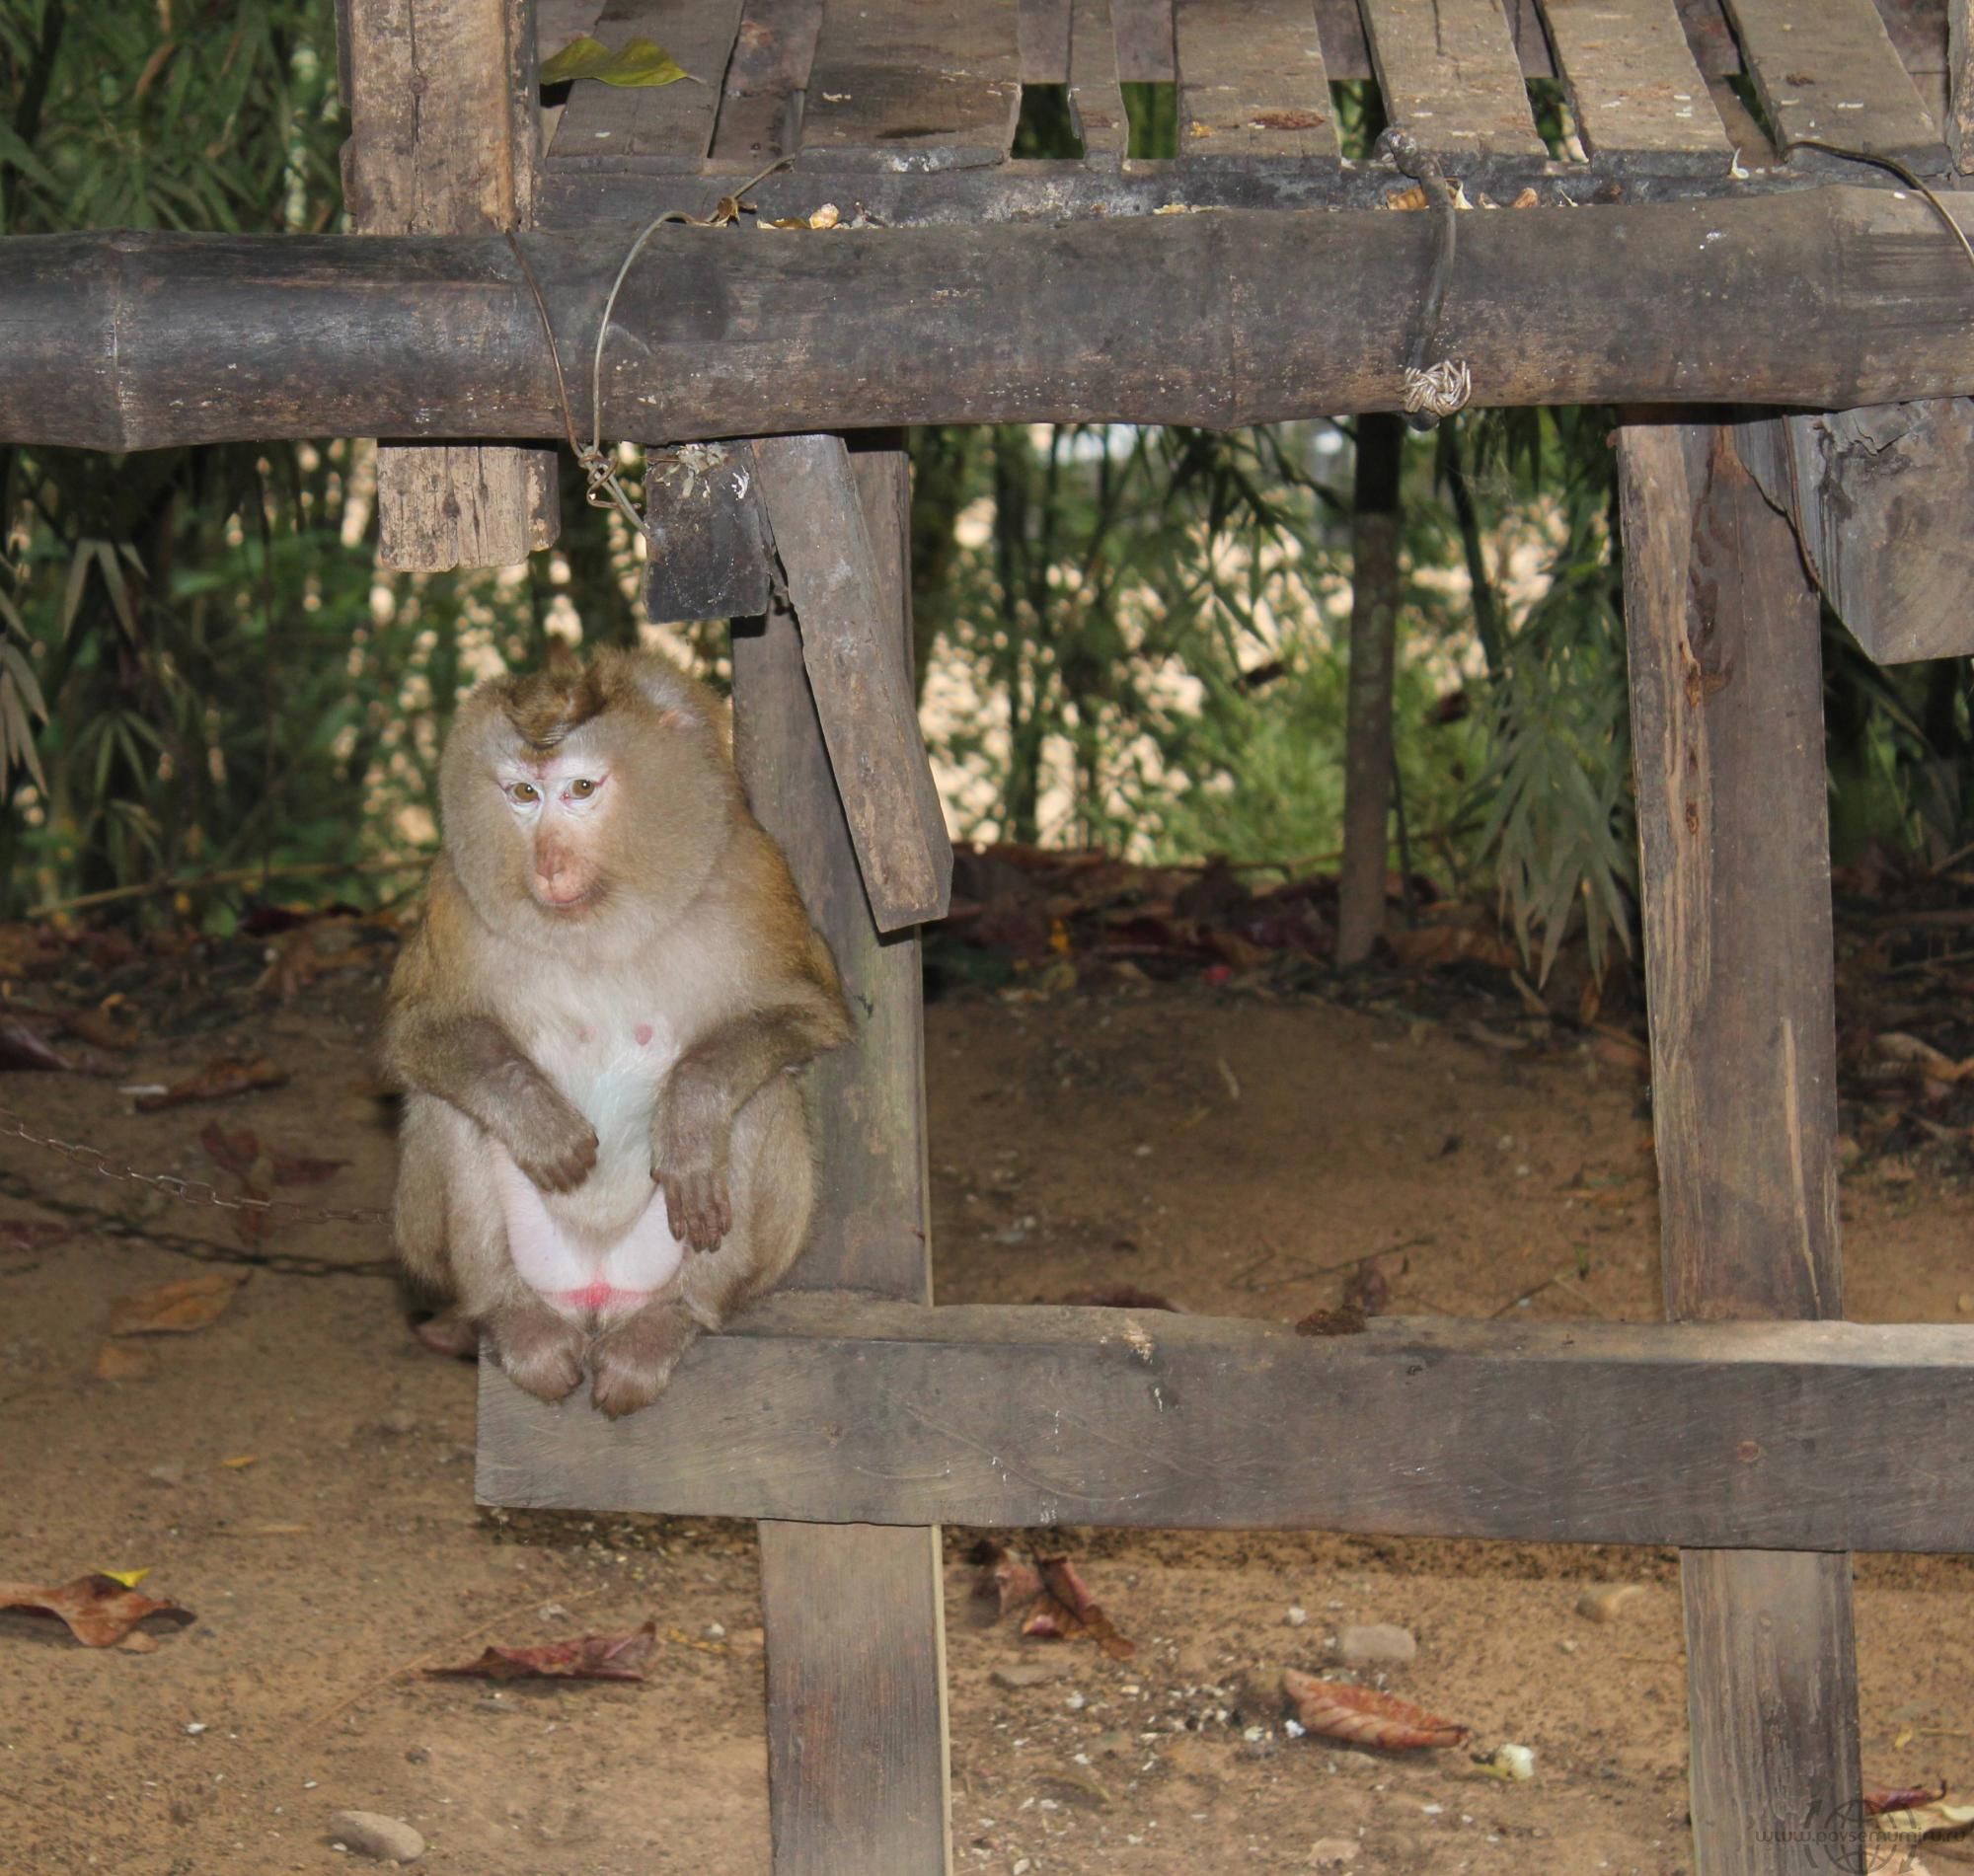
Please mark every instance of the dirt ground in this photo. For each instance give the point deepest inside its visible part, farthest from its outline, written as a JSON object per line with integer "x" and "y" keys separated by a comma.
{"x": 1233, "y": 1152}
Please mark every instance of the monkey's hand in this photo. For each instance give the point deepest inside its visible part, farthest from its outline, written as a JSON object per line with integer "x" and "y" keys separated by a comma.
{"x": 552, "y": 1143}
{"x": 690, "y": 1133}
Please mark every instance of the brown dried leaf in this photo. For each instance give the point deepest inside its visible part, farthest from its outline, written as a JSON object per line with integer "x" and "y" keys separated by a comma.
{"x": 117, "y": 1361}
{"x": 232, "y": 1150}
{"x": 175, "y": 1308}
{"x": 1346, "y": 1319}
{"x": 34, "y": 1233}
{"x": 99, "y": 1611}
{"x": 1004, "y": 1580}
{"x": 296, "y": 1168}
{"x": 1410, "y": 198}
{"x": 1362, "y": 1717}
{"x": 22, "y": 1048}
{"x": 1286, "y": 120}
{"x": 216, "y": 1081}
{"x": 1066, "y": 1609}
{"x": 582, "y": 1658}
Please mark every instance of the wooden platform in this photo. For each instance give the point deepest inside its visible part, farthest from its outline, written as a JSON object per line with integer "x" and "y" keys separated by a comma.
{"x": 910, "y": 108}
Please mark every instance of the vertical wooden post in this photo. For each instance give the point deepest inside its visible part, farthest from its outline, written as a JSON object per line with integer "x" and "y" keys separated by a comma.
{"x": 854, "y": 1617}
{"x": 445, "y": 140}
{"x": 1727, "y": 723}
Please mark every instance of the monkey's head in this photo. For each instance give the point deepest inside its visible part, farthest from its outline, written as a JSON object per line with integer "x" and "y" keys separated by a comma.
{"x": 595, "y": 797}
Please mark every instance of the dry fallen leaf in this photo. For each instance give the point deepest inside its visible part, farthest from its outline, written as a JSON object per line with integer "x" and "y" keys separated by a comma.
{"x": 175, "y": 1308}
{"x": 99, "y": 1611}
{"x": 1338, "y": 1709}
{"x": 216, "y": 1081}
{"x": 1004, "y": 1580}
{"x": 584, "y": 1658}
{"x": 34, "y": 1233}
{"x": 117, "y": 1361}
{"x": 20, "y": 1048}
{"x": 1066, "y": 1609}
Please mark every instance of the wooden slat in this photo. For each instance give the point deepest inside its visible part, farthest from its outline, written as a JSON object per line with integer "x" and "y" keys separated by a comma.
{"x": 1828, "y": 71}
{"x": 855, "y": 1619}
{"x": 860, "y": 676}
{"x": 1727, "y": 733}
{"x": 1251, "y": 79}
{"x": 1635, "y": 87}
{"x": 1795, "y": 1434}
{"x": 760, "y": 113}
{"x": 1093, "y": 93}
{"x": 1960, "y": 83}
{"x": 918, "y": 83}
{"x": 1042, "y": 41}
{"x": 1449, "y": 75}
{"x": 673, "y": 122}
{"x": 445, "y": 140}
{"x": 1144, "y": 30}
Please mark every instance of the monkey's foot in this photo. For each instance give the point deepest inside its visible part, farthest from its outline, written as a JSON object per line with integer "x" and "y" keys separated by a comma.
{"x": 540, "y": 1350}
{"x": 631, "y": 1362}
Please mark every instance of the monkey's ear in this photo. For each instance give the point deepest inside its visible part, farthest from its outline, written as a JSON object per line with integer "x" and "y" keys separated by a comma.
{"x": 680, "y": 701}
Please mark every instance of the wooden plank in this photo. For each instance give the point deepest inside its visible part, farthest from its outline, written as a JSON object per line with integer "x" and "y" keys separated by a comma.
{"x": 1094, "y": 91}
{"x": 670, "y": 123}
{"x": 445, "y": 140}
{"x": 707, "y": 551}
{"x": 1883, "y": 501}
{"x": 1634, "y": 85}
{"x": 1828, "y": 72}
{"x": 1144, "y": 30}
{"x": 1727, "y": 734}
{"x": 760, "y": 115}
{"x": 922, "y": 83}
{"x": 855, "y": 1619}
{"x": 1960, "y": 83}
{"x": 1799, "y": 1436}
{"x": 1042, "y": 37}
{"x": 1449, "y": 75}
{"x": 860, "y": 676}
{"x": 1824, "y": 297}
{"x": 1251, "y": 79}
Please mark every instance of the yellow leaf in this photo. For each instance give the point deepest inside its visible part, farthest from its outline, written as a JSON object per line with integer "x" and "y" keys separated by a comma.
{"x": 241, "y": 1462}
{"x": 581, "y": 57}
{"x": 129, "y": 1578}
{"x": 642, "y": 64}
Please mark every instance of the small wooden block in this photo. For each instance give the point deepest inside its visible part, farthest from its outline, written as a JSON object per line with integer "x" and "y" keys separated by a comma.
{"x": 1635, "y": 87}
{"x": 1093, "y": 93}
{"x": 1251, "y": 79}
{"x": 860, "y": 676}
{"x": 1450, "y": 76}
{"x": 915, "y": 83}
{"x": 1828, "y": 71}
{"x": 707, "y": 534}
{"x": 760, "y": 114}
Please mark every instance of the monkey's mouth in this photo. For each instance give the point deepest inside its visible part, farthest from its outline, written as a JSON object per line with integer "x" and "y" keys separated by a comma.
{"x": 578, "y": 902}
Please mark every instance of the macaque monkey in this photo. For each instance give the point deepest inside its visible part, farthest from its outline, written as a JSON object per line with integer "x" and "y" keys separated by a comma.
{"x": 604, "y": 1152}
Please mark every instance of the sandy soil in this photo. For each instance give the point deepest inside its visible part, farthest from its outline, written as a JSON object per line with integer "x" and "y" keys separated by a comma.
{"x": 1234, "y": 1154}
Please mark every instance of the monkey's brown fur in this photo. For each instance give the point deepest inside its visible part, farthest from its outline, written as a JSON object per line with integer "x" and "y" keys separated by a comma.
{"x": 610, "y": 982}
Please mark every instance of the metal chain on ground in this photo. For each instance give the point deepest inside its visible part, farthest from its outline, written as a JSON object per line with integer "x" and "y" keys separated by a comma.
{"x": 185, "y": 1191}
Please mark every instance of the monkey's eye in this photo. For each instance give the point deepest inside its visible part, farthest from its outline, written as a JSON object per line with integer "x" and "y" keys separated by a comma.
{"x": 526, "y": 791}
{"x": 582, "y": 787}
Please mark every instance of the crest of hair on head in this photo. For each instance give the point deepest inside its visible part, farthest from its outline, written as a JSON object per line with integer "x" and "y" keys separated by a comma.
{"x": 545, "y": 706}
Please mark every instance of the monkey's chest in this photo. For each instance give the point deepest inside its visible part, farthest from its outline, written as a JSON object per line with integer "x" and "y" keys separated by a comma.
{"x": 611, "y": 1073}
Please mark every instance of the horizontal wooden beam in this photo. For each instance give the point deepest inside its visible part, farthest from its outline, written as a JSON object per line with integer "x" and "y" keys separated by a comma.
{"x": 1825, "y": 299}
{"x": 1797, "y": 1436}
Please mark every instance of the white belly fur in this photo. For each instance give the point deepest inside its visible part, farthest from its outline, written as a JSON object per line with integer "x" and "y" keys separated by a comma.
{"x": 604, "y": 1250}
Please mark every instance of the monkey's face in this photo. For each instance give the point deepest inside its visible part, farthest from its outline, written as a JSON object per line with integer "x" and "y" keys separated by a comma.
{"x": 611, "y": 823}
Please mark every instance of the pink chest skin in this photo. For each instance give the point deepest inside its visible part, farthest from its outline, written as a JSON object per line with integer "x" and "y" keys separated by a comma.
{"x": 580, "y": 1267}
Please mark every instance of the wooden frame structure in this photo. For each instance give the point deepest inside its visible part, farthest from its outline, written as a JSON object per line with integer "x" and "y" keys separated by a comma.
{"x": 1688, "y": 251}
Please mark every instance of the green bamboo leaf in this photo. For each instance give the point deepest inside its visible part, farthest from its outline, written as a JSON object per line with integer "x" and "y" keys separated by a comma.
{"x": 642, "y": 63}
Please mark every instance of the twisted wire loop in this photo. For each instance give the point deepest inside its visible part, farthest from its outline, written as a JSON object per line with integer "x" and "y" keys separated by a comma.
{"x": 604, "y": 491}
{"x": 185, "y": 1191}
{"x": 1440, "y": 390}
{"x": 1436, "y": 391}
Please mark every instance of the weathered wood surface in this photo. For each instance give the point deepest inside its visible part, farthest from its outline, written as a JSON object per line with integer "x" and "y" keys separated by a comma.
{"x": 1727, "y": 734}
{"x": 1251, "y": 79}
{"x": 1144, "y": 30}
{"x": 1634, "y": 84}
{"x": 1823, "y": 298}
{"x": 1041, "y": 40}
{"x": 1094, "y": 91}
{"x": 924, "y": 84}
{"x": 860, "y": 674}
{"x": 445, "y": 140}
{"x": 1883, "y": 502}
{"x": 1829, "y": 72}
{"x": 855, "y": 1619}
{"x": 673, "y": 120}
{"x": 707, "y": 545}
{"x": 1814, "y": 1435}
{"x": 760, "y": 115}
{"x": 1449, "y": 74}
{"x": 1959, "y": 117}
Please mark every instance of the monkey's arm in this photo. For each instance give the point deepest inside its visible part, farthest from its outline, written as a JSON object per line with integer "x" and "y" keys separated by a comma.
{"x": 471, "y": 1062}
{"x": 711, "y": 1083}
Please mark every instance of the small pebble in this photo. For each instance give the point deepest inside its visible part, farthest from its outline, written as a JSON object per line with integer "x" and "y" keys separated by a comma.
{"x": 1362, "y": 1644}
{"x": 399, "y": 1421}
{"x": 1331, "y": 1853}
{"x": 170, "y": 1473}
{"x": 1605, "y": 1601}
{"x": 1027, "y": 1674}
{"x": 1297, "y": 1615}
{"x": 370, "y": 1834}
{"x": 195, "y": 1727}
{"x": 715, "y": 1631}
